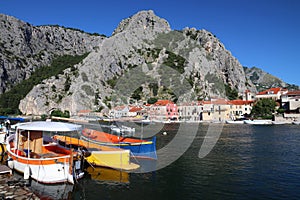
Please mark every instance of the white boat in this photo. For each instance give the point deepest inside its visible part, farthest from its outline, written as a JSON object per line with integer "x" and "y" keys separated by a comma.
{"x": 280, "y": 122}
{"x": 3, "y": 132}
{"x": 32, "y": 153}
{"x": 296, "y": 122}
{"x": 234, "y": 121}
{"x": 258, "y": 122}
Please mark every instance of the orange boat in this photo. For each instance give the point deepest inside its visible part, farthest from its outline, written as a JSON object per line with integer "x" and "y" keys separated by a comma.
{"x": 138, "y": 147}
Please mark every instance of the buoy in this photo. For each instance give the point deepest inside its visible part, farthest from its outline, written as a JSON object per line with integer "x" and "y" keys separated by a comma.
{"x": 165, "y": 133}
{"x": 10, "y": 163}
{"x": 26, "y": 172}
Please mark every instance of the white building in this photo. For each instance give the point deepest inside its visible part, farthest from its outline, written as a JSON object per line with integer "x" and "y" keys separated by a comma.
{"x": 272, "y": 93}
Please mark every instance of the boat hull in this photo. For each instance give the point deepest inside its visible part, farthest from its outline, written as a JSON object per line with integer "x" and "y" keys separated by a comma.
{"x": 101, "y": 155}
{"x": 234, "y": 122}
{"x": 258, "y": 122}
{"x": 112, "y": 159}
{"x": 46, "y": 170}
{"x": 139, "y": 148}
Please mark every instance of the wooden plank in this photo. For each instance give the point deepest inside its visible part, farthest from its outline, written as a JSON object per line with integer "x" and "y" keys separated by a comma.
{"x": 4, "y": 169}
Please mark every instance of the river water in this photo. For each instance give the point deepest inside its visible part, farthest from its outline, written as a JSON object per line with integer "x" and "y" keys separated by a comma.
{"x": 247, "y": 162}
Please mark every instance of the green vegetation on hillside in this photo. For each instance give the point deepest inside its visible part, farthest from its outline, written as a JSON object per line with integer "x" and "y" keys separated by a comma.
{"x": 175, "y": 61}
{"x": 231, "y": 93}
{"x": 9, "y": 101}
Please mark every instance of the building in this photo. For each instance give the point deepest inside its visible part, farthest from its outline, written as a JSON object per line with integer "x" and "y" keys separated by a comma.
{"x": 240, "y": 108}
{"x": 190, "y": 111}
{"x": 137, "y": 111}
{"x": 248, "y": 96}
{"x": 291, "y": 103}
{"x": 272, "y": 93}
{"x": 163, "y": 110}
{"x": 119, "y": 112}
{"x": 216, "y": 110}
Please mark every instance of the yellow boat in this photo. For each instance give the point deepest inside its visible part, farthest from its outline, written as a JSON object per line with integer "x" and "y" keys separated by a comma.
{"x": 101, "y": 155}
{"x": 2, "y": 141}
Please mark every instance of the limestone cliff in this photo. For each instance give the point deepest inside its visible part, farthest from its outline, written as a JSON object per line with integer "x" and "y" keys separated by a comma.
{"x": 144, "y": 57}
{"x": 24, "y": 48}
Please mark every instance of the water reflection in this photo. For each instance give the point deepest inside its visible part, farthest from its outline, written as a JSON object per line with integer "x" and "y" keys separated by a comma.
{"x": 247, "y": 162}
{"x": 107, "y": 175}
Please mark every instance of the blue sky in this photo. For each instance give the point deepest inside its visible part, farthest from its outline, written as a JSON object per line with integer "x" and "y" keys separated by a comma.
{"x": 261, "y": 33}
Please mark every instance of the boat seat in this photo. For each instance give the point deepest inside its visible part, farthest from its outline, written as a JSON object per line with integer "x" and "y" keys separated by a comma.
{"x": 48, "y": 155}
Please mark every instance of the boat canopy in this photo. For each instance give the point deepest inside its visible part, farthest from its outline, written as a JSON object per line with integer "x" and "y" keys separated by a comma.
{"x": 49, "y": 126}
{"x": 12, "y": 118}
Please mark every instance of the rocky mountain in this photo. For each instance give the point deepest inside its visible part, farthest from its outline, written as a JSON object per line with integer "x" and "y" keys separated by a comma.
{"x": 263, "y": 80}
{"x": 24, "y": 48}
{"x": 143, "y": 58}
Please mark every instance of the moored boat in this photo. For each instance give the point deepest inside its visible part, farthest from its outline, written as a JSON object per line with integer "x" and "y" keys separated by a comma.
{"x": 280, "y": 122}
{"x": 100, "y": 155}
{"x": 296, "y": 122}
{"x": 234, "y": 122}
{"x": 258, "y": 122}
{"x": 31, "y": 153}
{"x": 140, "y": 148}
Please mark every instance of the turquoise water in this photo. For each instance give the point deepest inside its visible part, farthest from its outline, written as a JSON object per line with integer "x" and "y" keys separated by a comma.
{"x": 247, "y": 162}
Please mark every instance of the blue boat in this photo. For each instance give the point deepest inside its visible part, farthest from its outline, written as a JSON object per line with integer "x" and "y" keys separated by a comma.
{"x": 139, "y": 148}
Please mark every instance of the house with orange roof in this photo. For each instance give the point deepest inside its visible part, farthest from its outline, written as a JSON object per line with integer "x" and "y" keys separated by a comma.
{"x": 136, "y": 111}
{"x": 119, "y": 112}
{"x": 83, "y": 113}
{"x": 240, "y": 108}
{"x": 216, "y": 110}
{"x": 272, "y": 93}
{"x": 164, "y": 110}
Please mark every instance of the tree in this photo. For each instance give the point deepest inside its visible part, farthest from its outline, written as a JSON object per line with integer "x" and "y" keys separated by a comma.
{"x": 231, "y": 93}
{"x": 152, "y": 100}
{"x": 263, "y": 108}
{"x": 59, "y": 113}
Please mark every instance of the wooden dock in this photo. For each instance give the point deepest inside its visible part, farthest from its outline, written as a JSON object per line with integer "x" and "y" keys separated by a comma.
{"x": 4, "y": 169}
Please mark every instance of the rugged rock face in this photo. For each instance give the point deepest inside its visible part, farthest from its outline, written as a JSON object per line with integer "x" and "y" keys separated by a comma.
{"x": 263, "y": 80}
{"x": 143, "y": 56}
{"x": 24, "y": 47}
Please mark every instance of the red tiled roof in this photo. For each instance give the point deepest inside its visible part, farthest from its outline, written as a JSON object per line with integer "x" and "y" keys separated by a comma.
{"x": 240, "y": 102}
{"x": 215, "y": 102}
{"x": 163, "y": 102}
{"x": 119, "y": 108}
{"x": 219, "y": 102}
{"x": 135, "y": 109}
{"x": 84, "y": 111}
{"x": 295, "y": 92}
{"x": 271, "y": 91}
